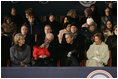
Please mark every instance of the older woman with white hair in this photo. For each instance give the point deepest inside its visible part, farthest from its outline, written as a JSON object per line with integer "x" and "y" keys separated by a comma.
{"x": 20, "y": 52}
{"x": 98, "y": 53}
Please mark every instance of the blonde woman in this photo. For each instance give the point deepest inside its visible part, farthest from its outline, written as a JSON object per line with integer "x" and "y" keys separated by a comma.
{"x": 20, "y": 52}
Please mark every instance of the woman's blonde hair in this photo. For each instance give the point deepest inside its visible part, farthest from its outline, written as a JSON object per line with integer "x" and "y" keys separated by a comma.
{"x": 17, "y": 37}
{"x": 71, "y": 13}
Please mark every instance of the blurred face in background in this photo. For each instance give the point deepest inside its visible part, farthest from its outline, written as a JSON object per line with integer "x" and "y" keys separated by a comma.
{"x": 31, "y": 19}
{"x": 47, "y": 29}
{"x": 13, "y": 11}
{"x": 8, "y": 20}
{"x": 110, "y": 5}
{"x": 74, "y": 29}
{"x": 66, "y": 20}
{"x": 24, "y": 30}
{"x": 109, "y": 25}
{"x": 92, "y": 28}
{"x": 107, "y": 11}
{"x": 51, "y": 18}
{"x": 93, "y": 8}
{"x": 68, "y": 27}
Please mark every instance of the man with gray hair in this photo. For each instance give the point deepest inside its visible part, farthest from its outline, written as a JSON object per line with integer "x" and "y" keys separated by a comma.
{"x": 48, "y": 38}
{"x": 47, "y": 41}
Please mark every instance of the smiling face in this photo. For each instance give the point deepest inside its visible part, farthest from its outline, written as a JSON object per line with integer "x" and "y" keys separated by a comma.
{"x": 74, "y": 29}
{"x": 21, "y": 41}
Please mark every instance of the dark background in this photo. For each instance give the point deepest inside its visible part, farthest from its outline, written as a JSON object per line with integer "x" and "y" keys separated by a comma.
{"x": 60, "y": 8}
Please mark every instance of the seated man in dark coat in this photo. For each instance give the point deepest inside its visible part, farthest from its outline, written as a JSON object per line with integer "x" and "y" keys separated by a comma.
{"x": 72, "y": 51}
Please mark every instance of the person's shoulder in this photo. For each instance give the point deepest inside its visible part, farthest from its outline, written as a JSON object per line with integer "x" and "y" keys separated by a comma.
{"x": 13, "y": 47}
{"x": 104, "y": 44}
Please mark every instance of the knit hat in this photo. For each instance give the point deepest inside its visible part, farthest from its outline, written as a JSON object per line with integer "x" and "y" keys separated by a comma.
{"x": 74, "y": 24}
{"x": 93, "y": 24}
{"x": 89, "y": 21}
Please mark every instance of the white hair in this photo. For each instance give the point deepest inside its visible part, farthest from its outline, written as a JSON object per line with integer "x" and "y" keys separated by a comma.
{"x": 49, "y": 35}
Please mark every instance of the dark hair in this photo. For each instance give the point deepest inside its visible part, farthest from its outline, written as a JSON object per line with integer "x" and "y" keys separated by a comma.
{"x": 92, "y": 5}
{"x": 89, "y": 11}
{"x": 31, "y": 15}
{"x": 5, "y": 18}
{"x": 74, "y": 24}
{"x": 51, "y": 14}
{"x": 66, "y": 24}
{"x": 29, "y": 11}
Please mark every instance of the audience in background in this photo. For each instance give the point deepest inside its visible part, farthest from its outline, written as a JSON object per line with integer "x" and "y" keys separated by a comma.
{"x": 63, "y": 31}
{"x": 95, "y": 14}
{"x": 112, "y": 44}
{"x": 18, "y": 20}
{"x": 105, "y": 18}
{"x": 87, "y": 14}
{"x": 60, "y": 44}
{"x": 108, "y": 31}
{"x": 53, "y": 23}
{"x": 10, "y": 28}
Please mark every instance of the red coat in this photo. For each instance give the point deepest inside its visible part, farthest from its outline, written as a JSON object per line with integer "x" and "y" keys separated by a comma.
{"x": 40, "y": 52}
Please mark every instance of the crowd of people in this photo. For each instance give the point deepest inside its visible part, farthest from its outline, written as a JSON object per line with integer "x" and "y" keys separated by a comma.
{"x": 29, "y": 41}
